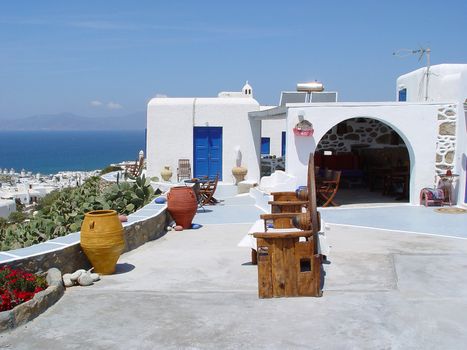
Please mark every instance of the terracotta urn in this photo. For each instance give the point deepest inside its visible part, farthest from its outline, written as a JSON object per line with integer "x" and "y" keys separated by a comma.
{"x": 182, "y": 205}
{"x": 166, "y": 173}
{"x": 239, "y": 173}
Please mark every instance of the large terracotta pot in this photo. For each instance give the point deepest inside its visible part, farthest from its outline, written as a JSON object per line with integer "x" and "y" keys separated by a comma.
{"x": 102, "y": 239}
{"x": 182, "y": 205}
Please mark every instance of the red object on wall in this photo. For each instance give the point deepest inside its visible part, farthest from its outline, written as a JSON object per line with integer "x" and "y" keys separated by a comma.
{"x": 303, "y": 132}
{"x": 182, "y": 205}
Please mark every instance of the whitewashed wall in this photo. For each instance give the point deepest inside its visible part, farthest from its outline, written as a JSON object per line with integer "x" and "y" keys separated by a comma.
{"x": 447, "y": 82}
{"x": 170, "y": 125}
{"x": 416, "y": 123}
{"x": 6, "y": 207}
{"x": 273, "y": 129}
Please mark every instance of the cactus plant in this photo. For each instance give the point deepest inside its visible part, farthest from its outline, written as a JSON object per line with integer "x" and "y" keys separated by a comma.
{"x": 62, "y": 212}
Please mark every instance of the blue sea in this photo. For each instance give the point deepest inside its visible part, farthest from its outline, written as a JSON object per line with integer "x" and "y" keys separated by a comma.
{"x": 48, "y": 152}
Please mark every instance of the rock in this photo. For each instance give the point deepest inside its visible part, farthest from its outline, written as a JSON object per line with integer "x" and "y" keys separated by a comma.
{"x": 383, "y": 139}
{"x": 85, "y": 279}
{"x": 178, "y": 228}
{"x": 54, "y": 277}
{"x": 354, "y": 137}
{"x": 160, "y": 200}
{"x": 448, "y": 128}
{"x": 67, "y": 280}
{"x": 75, "y": 275}
{"x": 449, "y": 157}
{"x": 6, "y": 321}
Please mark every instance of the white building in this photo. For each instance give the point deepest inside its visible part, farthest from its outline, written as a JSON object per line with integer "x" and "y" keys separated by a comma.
{"x": 208, "y": 131}
{"x": 446, "y": 82}
{"x": 428, "y": 138}
{"x": 413, "y": 141}
{"x": 7, "y": 206}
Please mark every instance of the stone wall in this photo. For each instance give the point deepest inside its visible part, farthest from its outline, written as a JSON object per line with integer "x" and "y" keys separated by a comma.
{"x": 446, "y": 145}
{"x": 71, "y": 258}
{"x": 38, "y": 304}
{"x": 359, "y": 131}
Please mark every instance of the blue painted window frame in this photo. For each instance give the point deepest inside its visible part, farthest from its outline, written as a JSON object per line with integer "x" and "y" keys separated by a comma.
{"x": 265, "y": 146}
{"x": 283, "y": 145}
{"x": 403, "y": 95}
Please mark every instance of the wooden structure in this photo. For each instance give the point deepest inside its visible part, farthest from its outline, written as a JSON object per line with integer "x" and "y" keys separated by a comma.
{"x": 134, "y": 170}
{"x": 184, "y": 169}
{"x": 286, "y": 202}
{"x": 207, "y": 190}
{"x": 288, "y": 261}
{"x": 327, "y": 187}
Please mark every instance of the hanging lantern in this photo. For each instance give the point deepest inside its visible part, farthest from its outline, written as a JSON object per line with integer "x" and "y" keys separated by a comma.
{"x": 303, "y": 128}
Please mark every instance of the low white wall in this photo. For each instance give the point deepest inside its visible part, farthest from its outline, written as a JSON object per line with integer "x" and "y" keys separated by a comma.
{"x": 417, "y": 124}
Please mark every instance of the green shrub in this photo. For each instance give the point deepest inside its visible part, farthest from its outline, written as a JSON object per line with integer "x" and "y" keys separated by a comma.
{"x": 17, "y": 217}
{"x": 62, "y": 212}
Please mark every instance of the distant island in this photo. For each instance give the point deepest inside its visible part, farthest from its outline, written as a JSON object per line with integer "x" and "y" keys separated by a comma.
{"x": 73, "y": 122}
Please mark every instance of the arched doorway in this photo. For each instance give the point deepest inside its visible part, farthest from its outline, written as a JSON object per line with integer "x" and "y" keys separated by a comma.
{"x": 373, "y": 159}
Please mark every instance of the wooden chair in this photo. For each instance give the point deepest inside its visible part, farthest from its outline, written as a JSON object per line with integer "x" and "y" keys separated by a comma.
{"x": 326, "y": 187}
{"x": 134, "y": 170}
{"x": 207, "y": 190}
{"x": 184, "y": 169}
{"x": 288, "y": 265}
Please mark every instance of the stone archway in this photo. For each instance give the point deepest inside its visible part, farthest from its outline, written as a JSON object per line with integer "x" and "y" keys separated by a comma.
{"x": 374, "y": 159}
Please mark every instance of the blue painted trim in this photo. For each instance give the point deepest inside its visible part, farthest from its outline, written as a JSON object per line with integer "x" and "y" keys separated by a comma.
{"x": 265, "y": 145}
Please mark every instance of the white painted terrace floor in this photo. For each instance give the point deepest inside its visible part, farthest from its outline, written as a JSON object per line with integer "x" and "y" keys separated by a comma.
{"x": 195, "y": 289}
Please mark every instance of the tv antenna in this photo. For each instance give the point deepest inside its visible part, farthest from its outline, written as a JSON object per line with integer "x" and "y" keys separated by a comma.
{"x": 421, "y": 52}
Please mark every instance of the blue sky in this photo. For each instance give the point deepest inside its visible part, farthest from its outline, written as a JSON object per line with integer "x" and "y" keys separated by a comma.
{"x": 103, "y": 58}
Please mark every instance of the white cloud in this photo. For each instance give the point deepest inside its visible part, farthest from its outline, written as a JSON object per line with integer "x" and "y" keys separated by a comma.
{"x": 96, "y": 103}
{"x": 114, "y": 105}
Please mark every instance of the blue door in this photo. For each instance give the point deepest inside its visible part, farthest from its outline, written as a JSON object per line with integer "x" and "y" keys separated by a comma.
{"x": 207, "y": 151}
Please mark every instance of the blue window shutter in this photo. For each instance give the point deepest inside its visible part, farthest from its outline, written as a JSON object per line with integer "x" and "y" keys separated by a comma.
{"x": 265, "y": 145}
{"x": 402, "y": 95}
{"x": 283, "y": 144}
